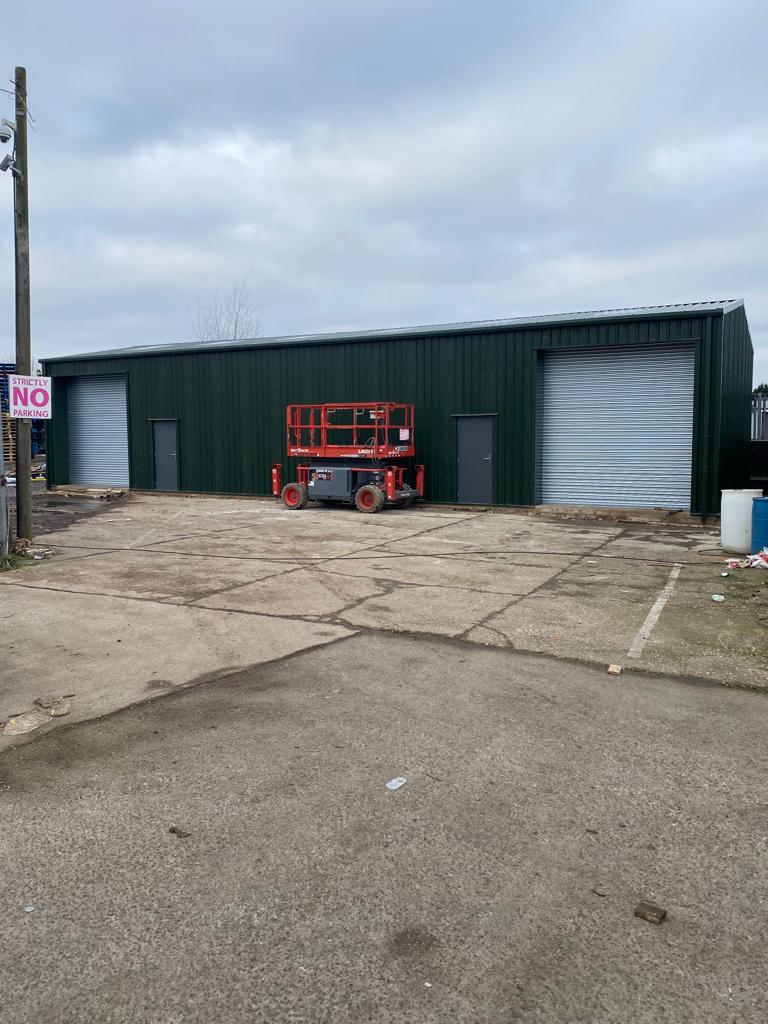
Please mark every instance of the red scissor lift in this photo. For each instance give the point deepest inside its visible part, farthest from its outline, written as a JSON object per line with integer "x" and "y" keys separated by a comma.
{"x": 358, "y": 453}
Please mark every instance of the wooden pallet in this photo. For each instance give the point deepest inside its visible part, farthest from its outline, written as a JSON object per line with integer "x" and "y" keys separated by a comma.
{"x": 9, "y": 440}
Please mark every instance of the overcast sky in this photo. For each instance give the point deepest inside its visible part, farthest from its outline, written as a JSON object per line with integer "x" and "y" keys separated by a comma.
{"x": 386, "y": 164}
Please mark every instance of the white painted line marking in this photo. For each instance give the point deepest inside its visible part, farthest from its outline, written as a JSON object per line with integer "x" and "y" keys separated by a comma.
{"x": 653, "y": 615}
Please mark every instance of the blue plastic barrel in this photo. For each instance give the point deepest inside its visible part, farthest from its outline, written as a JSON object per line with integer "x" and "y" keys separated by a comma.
{"x": 759, "y": 524}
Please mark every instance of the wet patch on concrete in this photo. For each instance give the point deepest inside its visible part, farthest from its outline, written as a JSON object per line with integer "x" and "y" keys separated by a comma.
{"x": 412, "y": 943}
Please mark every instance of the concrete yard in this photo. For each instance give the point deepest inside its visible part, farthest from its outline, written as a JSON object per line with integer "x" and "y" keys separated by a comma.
{"x": 463, "y": 650}
{"x": 158, "y": 592}
{"x": 544, "y": 799}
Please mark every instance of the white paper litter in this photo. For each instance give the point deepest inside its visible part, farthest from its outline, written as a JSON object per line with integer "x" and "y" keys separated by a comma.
{"x": 396, "y": 783}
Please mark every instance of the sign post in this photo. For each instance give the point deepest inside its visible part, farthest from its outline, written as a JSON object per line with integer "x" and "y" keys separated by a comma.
{"x": 29, "y": 398}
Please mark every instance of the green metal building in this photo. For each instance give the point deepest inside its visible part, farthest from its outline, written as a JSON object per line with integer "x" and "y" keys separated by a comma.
{"x": 644, "y": 407}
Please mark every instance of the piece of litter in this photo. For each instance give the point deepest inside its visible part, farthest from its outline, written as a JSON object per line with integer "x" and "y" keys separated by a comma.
{"x": 176, "y": 831}
{"x": 28, "y": 910}
{"x": 718, "y": 598}
{"x": 427, "y": 984}
{"x": 614, "y": 670}
{"x": 650, "y": 912}
{"x": 394, "y": 784}
{"x": 725, "y": 574}
{"x": 756, "y": 561}
{"x": 598, "y": 892}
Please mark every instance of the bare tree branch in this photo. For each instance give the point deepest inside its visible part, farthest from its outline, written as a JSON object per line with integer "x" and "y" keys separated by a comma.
{"x": 228, "y": 317}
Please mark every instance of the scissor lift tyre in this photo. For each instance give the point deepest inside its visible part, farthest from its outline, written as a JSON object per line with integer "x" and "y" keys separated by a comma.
{"x": 295, "y": 496}
{"x": 369, "y": 498}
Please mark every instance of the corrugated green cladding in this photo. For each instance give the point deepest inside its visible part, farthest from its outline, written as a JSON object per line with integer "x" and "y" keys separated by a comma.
{"x": 735, "y": 391}
{"x": 230, "y": 404}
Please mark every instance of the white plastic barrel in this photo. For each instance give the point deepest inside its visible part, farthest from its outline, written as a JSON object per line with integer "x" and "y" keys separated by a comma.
{"x": 736, "y": 520}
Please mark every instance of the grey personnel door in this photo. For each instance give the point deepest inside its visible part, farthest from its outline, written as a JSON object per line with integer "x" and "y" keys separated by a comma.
{"x": 164, "y": 433}
{"x": 474, "y": 447}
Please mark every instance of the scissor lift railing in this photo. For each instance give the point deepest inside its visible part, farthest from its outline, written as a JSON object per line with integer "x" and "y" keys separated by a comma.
{"x": 354, "y": 453}
{"x": 355, "y": 429}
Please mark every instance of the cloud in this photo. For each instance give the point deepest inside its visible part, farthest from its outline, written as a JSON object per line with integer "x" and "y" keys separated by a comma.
{"x": 370, "y": 166}
{"x": 723, "y": 161}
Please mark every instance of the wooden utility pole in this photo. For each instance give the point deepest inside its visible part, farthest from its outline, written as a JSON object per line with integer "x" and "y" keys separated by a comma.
{"x": 23, "y": 334}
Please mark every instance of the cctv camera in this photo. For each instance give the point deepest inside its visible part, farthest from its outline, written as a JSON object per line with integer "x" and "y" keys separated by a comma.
{"x": 7, "y": 128}
{"x": 7, "y": 164}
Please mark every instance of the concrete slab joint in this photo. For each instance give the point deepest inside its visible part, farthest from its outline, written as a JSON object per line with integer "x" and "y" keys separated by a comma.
{"x": 176, "y": 589}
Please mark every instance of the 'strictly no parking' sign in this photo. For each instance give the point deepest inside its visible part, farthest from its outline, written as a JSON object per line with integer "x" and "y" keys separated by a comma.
{"x": 29, "y": 397}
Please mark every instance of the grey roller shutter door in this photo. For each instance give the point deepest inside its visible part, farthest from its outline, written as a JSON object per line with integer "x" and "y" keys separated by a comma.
{"x": 615, "y": 427}
{"x": 97, "y": 420}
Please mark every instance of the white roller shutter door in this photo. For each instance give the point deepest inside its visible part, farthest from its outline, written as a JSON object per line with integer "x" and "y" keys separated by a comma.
{"x": 615, "y": 427}
{"x": 97, "y": 420}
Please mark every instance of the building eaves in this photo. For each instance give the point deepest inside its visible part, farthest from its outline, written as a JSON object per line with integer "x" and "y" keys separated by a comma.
{"x": 431, "y": 330}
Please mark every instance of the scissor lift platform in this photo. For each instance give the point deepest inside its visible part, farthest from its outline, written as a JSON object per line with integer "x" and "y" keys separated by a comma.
{"x": 359, "y": 453}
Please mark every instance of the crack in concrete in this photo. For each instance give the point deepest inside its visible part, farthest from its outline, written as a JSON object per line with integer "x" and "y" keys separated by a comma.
{"x": 177, "y": 690}
{"x": 336, "y": 618}
{"x": 422, "y": 637}
{"x": 195, "y": 602}
{"x": 432, "y": 586}
{"x": 389, "y": 587}
{"x": 506, "y": 643}
{"x": 150, "y": 548}
{"x": 94, "y": 550}
{"x": 314, "y": 564}
{"x": 529, "y": 551}
{"x": 542, "y": 586}
{"x": 340, "y": 617}
{"x": 191, "y": 606}
{"x": 242, "y": 583}
{"x": 170, "y": 540}
{"x": 492, "y": 615}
